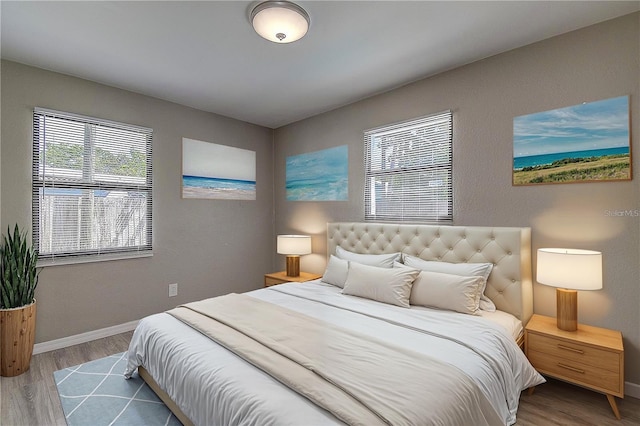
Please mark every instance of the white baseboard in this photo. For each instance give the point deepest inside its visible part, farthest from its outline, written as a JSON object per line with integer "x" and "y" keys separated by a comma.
{"x": 65, "y": 342}
{"x": 632, "y": 389}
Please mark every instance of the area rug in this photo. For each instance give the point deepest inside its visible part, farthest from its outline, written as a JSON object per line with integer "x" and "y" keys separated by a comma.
{"x": 96, "y": 393}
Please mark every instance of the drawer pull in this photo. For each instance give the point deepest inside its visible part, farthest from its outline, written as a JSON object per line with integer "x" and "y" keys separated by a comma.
{"x": 567, "y": 348}
{"x": 577, "y": 370}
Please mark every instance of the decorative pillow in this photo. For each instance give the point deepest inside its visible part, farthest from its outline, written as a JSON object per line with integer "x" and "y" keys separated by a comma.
{"x": 465, "y": 269}
{"x": 336, "y": 272}
{"x": 387, "y": 285}
{"x": 447, "y": 291}
{"x": 380, "y": 260}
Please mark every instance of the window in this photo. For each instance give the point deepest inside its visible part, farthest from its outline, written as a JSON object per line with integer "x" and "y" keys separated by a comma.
{"x": 408, "y": 170}
{"x": 91, "y": 188}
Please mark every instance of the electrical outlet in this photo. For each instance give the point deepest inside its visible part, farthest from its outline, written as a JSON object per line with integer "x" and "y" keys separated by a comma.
{"x": 173, "y": 289}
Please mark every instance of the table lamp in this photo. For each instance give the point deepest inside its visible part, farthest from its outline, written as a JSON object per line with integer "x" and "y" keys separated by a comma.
{"x": 294, "y": 246}
{"x": 569, "y": 270}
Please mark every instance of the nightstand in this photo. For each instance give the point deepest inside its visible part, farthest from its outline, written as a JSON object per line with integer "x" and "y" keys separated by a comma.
{"x": 590, "y": 357}
{"x": 282, "y": 277}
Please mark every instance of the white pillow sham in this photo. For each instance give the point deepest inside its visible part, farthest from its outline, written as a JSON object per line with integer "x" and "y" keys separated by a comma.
{"x": 336, "y": 272}
{"x": 380, "y": 260}
{"x": 447, "y": 291}
{"x": 464, "y": 269}
{"x": 387, "y": 285}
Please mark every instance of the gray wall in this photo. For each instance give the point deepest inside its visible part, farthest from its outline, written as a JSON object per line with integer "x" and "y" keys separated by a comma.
{"x": 212, "y": 247}
{"x": 200, "y": 244}
{"x": 594, "y": 63}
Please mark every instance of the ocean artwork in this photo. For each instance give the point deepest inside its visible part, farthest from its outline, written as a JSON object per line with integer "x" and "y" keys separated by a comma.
{"x": 581, "y": 143}
{"x": 318, "y": 176}
{"x": 216, "y": 171}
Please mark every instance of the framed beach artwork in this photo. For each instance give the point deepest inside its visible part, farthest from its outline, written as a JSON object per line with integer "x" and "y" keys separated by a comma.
{"x": 318, "y": 176}
{"x": 217, "y": 171}
{"x": 589, "y": 142}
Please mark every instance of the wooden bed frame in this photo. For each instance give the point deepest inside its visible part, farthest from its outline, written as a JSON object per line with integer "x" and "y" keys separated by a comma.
{"x": 508, "y": 248}
{"x": 144, "y": 374}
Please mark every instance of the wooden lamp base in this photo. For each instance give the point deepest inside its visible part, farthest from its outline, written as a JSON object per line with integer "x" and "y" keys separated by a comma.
{"x": 567, "y": 309}
{"x": 293, "y": 266}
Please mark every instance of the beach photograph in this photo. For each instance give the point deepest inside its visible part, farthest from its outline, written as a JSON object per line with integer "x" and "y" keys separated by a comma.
{"x": 318, "y": 176}
{"x": 214, "y": 171}
{"x": 581, "y": 143}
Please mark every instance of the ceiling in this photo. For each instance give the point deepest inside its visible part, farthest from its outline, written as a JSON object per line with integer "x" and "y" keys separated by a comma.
{"x": 205, "y": 54}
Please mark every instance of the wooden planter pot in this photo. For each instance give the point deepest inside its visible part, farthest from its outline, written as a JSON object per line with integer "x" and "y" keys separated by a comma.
{"x": 17, "y": 335}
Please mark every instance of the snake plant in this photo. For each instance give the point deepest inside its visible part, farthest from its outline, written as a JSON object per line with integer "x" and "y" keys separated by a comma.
{"x": 18, "y": 273}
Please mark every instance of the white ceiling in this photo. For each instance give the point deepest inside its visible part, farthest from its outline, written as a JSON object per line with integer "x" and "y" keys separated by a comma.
{"x": 207, "y": 56}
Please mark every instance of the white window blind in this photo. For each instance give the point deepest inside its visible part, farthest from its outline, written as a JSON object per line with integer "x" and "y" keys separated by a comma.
{"x": 92, "y": 187}
{"x": 408, "y": 170}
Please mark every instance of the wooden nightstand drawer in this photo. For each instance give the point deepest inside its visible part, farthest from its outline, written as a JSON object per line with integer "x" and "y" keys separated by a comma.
{"x": 282, "y": 277}
{"x": 605, "y": 380}
{"x": 269, "y": 281}
{"x": 591, "y": 357}
{"x": 575, "y": 351}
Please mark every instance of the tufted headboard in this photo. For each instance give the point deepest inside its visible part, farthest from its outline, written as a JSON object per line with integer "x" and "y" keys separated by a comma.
{"x": 509, "y": 249}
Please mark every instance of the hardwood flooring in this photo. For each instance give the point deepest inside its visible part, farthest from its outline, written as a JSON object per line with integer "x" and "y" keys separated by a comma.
{"x": 559, "y": 403}
{"x": 31, "y": 399}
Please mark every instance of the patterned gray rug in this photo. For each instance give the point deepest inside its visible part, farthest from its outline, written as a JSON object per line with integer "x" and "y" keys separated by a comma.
{"x": 96, "y": 393}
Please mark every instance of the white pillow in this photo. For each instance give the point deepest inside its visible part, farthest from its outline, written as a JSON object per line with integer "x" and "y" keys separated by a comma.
{"x": 465, "y": 269}
{"x": 387, "y": 285}
{"x": 447, "y": 291}
{"x": 336, "y": 272}
{"x": 380, "y": 260}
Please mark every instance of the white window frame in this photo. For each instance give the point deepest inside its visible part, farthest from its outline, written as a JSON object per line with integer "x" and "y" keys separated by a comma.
{"x": 87, "y": 183}
{"x": 418, "y": 153}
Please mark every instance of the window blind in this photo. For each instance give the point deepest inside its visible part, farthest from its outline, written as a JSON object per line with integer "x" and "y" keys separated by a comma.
{"x": 408, "y": 170}
{"x": 92, "y": 186}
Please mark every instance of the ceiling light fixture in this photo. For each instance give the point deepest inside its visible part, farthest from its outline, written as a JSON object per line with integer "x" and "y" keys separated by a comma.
{"x": 280, "y": 21}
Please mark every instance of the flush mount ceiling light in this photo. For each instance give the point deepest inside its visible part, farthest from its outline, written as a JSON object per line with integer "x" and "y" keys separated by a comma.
{"x": 280, "y": 21}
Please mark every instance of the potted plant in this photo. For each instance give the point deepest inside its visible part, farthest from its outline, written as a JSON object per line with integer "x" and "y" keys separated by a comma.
{"x": 18, "y": 281}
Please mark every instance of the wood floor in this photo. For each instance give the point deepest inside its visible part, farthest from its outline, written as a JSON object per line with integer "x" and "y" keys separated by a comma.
{"x": 31, "y": 399}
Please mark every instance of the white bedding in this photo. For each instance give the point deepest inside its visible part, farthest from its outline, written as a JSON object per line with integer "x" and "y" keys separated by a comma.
{"x": 511, "y": 324}
{"x": 215, "y": 387}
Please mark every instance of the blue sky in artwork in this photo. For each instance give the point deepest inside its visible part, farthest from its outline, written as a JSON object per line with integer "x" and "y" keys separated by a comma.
{"x": 211, "y": 160}
{"x": 594, "y": 125}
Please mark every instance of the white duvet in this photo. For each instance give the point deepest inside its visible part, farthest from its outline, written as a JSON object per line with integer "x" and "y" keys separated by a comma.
{"x": 215, "y": 387}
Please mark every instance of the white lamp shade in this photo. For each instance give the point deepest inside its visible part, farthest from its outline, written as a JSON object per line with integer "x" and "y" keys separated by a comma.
{"x": 280, "y": 21}
{"x": 570, "y": 268}
{"x": 294, "y": 244}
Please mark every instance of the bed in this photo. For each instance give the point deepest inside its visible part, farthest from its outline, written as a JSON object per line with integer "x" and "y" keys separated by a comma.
{"x": 325, "y": 357}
